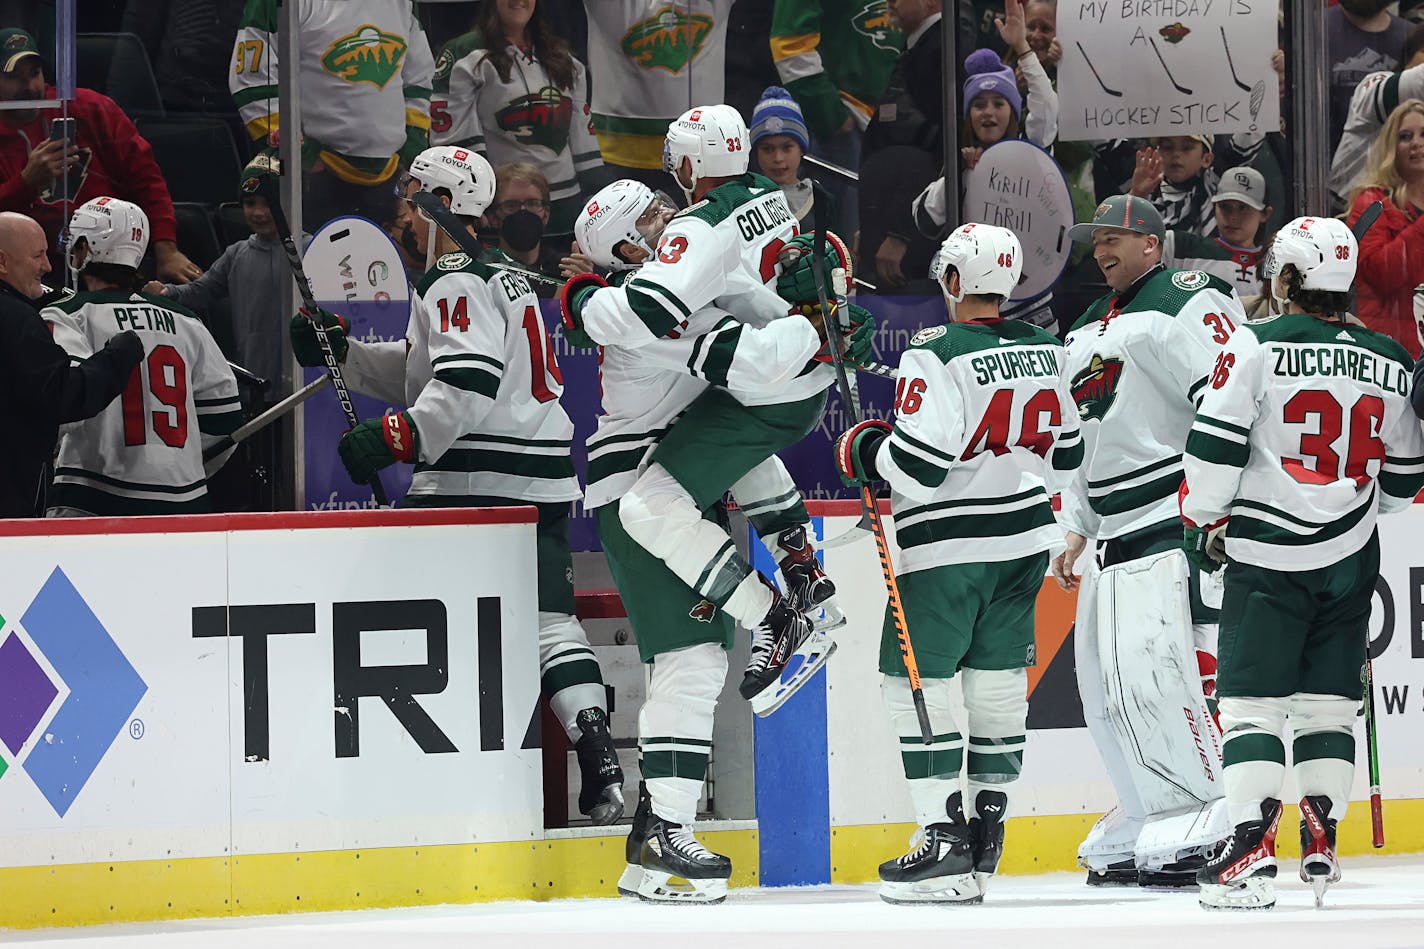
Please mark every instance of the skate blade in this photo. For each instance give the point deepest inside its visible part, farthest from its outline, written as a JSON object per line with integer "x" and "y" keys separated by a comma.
{"x": 610, "y": 810}
{"x": 631, "y": 879}
{"x": 961, "y": 889}
{"x": 1319, "y": 885}
{"x": 826, "y": 616}
{"x": 812, "y": 654}
{"x": 1251, "y": 893}
{"x": 659, "y": 886}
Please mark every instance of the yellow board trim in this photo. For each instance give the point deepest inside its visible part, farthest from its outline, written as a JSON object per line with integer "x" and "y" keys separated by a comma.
{"x": 260, "y": 884}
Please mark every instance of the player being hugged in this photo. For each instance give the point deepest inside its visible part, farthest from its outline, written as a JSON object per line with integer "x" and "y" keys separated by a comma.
{"x": 1305, "y": 435}
{"x": 1145, "y": 641}
{"x": 985, "y": 431}
{"x": 144, "y": 453}
{"x": 484, "y": 428}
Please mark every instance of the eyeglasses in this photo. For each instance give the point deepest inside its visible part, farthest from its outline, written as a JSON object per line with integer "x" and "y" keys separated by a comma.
{"x": 528, "y": 204}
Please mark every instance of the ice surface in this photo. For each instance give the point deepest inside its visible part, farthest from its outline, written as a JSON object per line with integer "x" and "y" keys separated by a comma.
{"x": 1379, "y": 905}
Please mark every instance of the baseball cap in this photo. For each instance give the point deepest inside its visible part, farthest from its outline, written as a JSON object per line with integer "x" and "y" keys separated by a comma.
{"x": 15, "y": 45}
{"x": 1125, "y": 211}
{"x": 1244, "y": 184}
{"x": 1201, "y": 139}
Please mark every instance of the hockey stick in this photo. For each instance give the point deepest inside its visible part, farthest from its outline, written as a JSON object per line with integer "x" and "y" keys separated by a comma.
{"x": 1170, "y": 78}
{"x": 869, "y": 507}
{"x": 1234, "y": 78}
{"x": 313, "y": 313}
{"x": 258, "y": 422}
{"x": 1372, "y": 744}
{"x": 1111, "y": 92}
{"x": 1366, "y": 220}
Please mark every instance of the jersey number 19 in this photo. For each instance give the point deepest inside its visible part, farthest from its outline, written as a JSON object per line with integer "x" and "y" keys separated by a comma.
{"x": 168, "y": 384}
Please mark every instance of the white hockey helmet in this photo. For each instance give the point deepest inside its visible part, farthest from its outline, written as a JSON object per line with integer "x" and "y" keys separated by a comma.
{"x": 613, "y": 216}
{"x": 713, "y": 137}
{"x": 1322, "y": 249}
{"x": 114, "y": 231}
{"x": 465, "y": 174}
{"x": 988, "y": 259}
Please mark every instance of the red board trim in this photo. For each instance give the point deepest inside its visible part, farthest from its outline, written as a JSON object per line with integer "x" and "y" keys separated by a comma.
{"x": 282, "y": 520}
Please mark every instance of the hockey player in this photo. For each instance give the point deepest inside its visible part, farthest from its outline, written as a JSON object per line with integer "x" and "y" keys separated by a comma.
{"x": 1138, "y": 361}
{"x": 681, "y": 635}
{"x": 144, "y": 453}
{"x": 484, "y": 427}
{"x": 984, "y": 428}
{"x": 1304, "y": 435}
{"x": 723, "y": 248}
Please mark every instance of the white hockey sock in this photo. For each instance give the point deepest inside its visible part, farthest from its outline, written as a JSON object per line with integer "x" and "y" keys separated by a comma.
{"x": 996, "y": 704}
{"x": 1324, "y": 748}
{"x": 770, "y": 500}
{"x": 569, "y": 675}
{"x": 675, "y": 727}
{"x": 1253, "y": 755}
{"x": 932, "y": 770}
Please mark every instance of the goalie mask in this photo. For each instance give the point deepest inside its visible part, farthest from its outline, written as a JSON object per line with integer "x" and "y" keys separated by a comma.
{"x": 465, "y": 174}
{"x": 111, "y": 231}
{"x": 628, "y": 211}
{"x": 988, "y": 259}
{"x": 1322, "y": 250}
{"x": 714, "y": 138}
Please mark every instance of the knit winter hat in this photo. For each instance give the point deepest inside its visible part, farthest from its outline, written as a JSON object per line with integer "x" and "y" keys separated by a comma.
{"x": 778, "y": 114}
{"x": 987, "y": 74}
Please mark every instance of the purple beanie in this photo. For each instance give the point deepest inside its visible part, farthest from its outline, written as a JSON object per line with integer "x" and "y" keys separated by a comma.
{"x": 988, "y": 74}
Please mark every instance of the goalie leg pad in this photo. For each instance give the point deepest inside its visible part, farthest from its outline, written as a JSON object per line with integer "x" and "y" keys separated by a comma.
{"x": 1111, "y": 842}
{"x": 675, "y": 727}
{"x": 996, "y": 706}
{"x": 1152, "y": 682}
{"x": 1324, "y": 748}
{"x": 569, "y": 675}
{"x": 932, "y": 770}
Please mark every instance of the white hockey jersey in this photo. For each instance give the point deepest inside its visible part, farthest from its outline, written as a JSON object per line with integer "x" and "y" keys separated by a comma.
{"x": 365, "y": 75}
{"x": 1305, "y": 434}
{"x": 1373, "y": 100}
{"x": 985, "y": 432}
{"x": 526, "y": 118}
{"x": 483, "y": 385}
{"x": 1137, "y": 363}
{"x": 144, "y": 453}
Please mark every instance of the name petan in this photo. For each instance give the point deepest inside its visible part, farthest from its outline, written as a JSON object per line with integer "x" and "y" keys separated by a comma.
{"x": 1342, "y": 361}
{"x": 144, "y": 318}
{"x": 760, "y": 218}
{"x": 1013, "y": 364}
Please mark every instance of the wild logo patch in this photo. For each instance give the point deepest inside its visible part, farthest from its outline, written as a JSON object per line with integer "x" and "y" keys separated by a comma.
{"x": 444, "y": 64}
{"x": 927, "y": 334}
{"x": 540, "y": 118}
{"x": 54, "y": 191}
{"x": 669, "y": 39}
{"x": 874, "y": 23}
{"x": 1174, "y": 32}
{"x": 368, "y": 55}
{"x": 1095, "y": 388}
{"x": 704, "y": 611}
{"x": 1190, "y": 279}
{"x": 454, "y": 261}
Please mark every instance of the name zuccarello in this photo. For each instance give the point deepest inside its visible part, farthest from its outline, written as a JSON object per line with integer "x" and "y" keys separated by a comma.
{"x": 1341, "y": 362}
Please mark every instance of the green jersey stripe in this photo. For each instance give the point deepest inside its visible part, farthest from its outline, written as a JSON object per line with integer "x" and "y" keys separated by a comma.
{"x": 1248, "y": 527}
{"x": 1068, "y": 459}
{"x": 1137, "y": 472}
{"x": 950, "y": 527}
{"x": 1217, "y": 451}
{"x": 654, "y": 315}
{"x": 477, "y": 381}
{"x": 439, "y": 361}
{"x": 1241, "y": 430}
{"x": 616, "y": 462}
{"x": 502, "y": 462}
{"x": 1130, "y": 499}
{"x": 922, "y": 446}
{"x": 101, "y": 503}
{"x": 937, "y": 506}
{"x": 244, "y": 97}
{"x": 926, "y": 473}
{"x": 122, "y": 485}
{"x": 219, "y": 423}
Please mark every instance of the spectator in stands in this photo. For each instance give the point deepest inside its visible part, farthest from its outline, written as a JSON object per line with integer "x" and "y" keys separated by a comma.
{"x": 1175, "y": 174}
{"x": 188, "y": 42}
{"x": 512, "y": 90}
{"x": 1370, "y": 104}
{"x": 1041, "y": 20}
{"x": 366, "y": 71}
{"x": 516, "y": 220}
{"x": 1232, "y": 254}
{"x": 109, "y": 157}
{"x": 1361, "y": 37}
{"x": 250, "y": 276}
{"x": 779, "y": 140}
{"x": 1392, "y": 253}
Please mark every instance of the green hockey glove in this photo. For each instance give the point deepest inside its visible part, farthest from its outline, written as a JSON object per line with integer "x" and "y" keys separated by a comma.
{"x": 378, "y": 442}
{"x": 307, "y": 348}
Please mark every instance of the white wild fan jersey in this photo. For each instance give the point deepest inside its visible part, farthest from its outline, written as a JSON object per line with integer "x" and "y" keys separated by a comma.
{"x": 1137, "y": 364}
{"x": 144, "y": 453}
{"x": 483, "y": 386}
{"x": 645, "y": 390}
{"x": 1304, "y": 435}
{"x": 723, "y": 250}
{"x": 985, "y": 431}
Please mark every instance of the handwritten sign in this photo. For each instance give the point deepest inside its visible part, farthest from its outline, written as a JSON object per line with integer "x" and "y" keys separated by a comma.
{"x": 1019, "y": 186}
{"x": 1142, "y": 68}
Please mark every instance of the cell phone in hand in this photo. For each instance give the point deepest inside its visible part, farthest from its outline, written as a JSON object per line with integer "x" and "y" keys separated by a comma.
{"x": 63, "y": 128}
{"x": 66, "y": 187}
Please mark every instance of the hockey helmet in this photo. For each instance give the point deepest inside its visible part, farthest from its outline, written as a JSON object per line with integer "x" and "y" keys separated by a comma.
{"x": 713, "y": 137}
{"x": 989, "y": 260}
{"x": 114, "y": 232}
{"x": 625, "y": 210}
{"x": 1322, "y": 250}
{"x": 465, "y": 174}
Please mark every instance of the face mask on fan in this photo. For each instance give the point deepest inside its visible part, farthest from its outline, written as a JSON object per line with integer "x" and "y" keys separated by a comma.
{"x": 522, "y": 231}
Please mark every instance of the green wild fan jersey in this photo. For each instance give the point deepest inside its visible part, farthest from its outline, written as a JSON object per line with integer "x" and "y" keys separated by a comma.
{"x": 1235, "y": 265}
{"x": 1304, "y": 435}
{"x": 144, "y": 453}
{"x": 985, "y": 431}
{"x": 483, "y": 387}
{"x": 1137, "y": 363}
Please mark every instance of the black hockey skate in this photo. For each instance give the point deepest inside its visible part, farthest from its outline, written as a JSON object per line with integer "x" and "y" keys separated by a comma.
{"x": 1318, "y": 865}
{"x": 786, "y": 652}
{"x": 1243, "y": 875}
{"x": 633, "y": 849}
{"x": 939, "y": 868}
{"x": 987, "y": 833}
{"x": 677, "y": 868}
{"x": 807, "y": 587}
{"x": 601, "y": 788}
